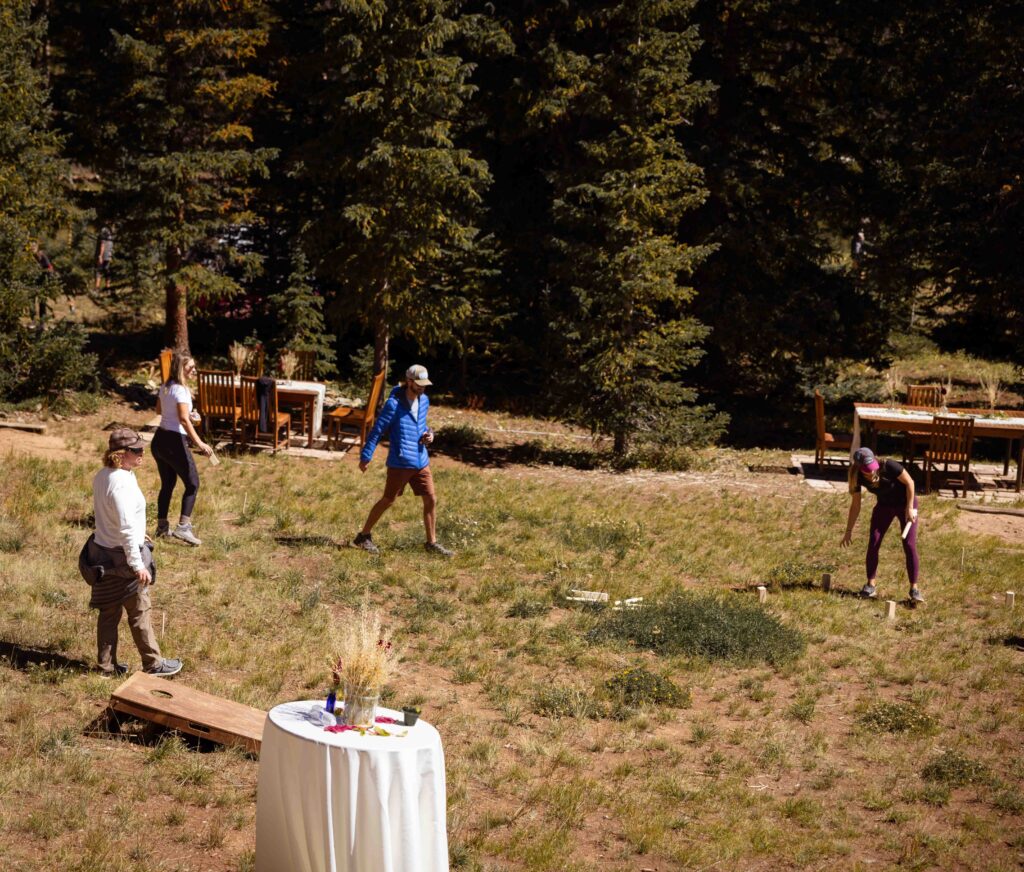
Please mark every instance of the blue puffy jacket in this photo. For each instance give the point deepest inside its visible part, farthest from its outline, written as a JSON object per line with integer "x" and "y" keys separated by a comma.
{"x": 404, "y": 432}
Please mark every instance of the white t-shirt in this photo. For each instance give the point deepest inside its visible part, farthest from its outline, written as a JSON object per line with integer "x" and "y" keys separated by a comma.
{"x": 415, "y": 406}
{"x": 120, "y": 510}
{"x": 170, "y": 396}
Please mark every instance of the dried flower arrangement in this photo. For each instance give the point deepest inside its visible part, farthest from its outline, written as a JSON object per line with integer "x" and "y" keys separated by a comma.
{"x": 989, "y": 381}
{"x": 365, "y": 660}
{"x": 289, "y": 363}
{"x": 239, "y": 355}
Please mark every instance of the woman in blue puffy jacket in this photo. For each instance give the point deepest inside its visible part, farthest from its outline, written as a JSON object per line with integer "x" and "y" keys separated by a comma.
{"x": 404, "y": 417}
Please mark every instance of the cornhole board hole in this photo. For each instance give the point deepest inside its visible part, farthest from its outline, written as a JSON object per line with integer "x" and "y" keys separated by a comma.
{"x": 174, "y": 705}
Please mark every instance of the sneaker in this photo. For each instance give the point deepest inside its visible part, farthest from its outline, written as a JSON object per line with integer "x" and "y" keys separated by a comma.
{"x": 439, "y": 549}
{"x": 915, "y": 596}
{"x": 185, "y": 534}
{"x": 365, "y": 541}
{"x": 163, "y": 528}
{"x": 868, "y": 591}
{"x": 167, "y": 668}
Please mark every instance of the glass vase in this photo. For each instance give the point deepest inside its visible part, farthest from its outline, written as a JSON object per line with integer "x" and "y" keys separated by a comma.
{"x": 360, "y": 707}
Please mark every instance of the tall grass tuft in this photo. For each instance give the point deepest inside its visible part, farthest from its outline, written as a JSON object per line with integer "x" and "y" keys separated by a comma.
{"x": 704, "y": 626}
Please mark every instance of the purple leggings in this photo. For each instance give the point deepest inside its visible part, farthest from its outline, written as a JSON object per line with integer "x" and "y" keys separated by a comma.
{"x": 881, "y": 519}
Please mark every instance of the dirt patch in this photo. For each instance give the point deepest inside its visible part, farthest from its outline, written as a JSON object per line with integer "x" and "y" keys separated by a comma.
{"x": 1007, "y": 527}
{"x": 35, "y": 445}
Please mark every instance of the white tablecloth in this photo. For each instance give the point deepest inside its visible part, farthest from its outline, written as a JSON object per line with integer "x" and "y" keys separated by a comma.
{"x": 342, "y": 802}
{"x": 319, "y": 392}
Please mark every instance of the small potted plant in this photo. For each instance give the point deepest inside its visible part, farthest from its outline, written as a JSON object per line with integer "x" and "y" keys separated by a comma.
{"x": 364, "y": 663}
{"x": 412, "y": 714}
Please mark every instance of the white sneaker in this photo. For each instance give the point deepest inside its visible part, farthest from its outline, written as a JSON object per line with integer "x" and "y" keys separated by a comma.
{"x": 184, "y": 532}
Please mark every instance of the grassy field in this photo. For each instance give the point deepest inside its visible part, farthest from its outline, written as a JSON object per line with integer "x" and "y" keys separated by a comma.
{"x": 878, "y": 744}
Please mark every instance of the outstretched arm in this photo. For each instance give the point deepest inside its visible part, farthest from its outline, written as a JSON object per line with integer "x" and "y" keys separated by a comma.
{"x": 851, "y": 519}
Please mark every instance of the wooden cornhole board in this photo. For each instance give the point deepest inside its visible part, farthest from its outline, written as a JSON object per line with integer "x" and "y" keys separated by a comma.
{"x": 174, "y": 705}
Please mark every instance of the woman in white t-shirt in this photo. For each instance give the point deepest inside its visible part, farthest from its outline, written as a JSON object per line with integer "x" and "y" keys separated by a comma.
{"x": 171, "y": 449}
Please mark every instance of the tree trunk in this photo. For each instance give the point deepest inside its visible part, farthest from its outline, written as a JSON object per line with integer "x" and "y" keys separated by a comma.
{"x": 621, "y": 444}
{"x": 176, "y": 311}
{"x": 380, "y": 346}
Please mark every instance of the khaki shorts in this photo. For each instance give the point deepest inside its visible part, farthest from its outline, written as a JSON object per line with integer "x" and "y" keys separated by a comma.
{"x": 420, "y": 480}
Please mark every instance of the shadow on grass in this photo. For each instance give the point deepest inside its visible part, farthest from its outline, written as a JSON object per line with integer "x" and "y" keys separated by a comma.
{"x": 827, "y": 472}
{"x": 21, "y": 657}
{"x": 523, "y": 454}
{"x": 110, "y": 724}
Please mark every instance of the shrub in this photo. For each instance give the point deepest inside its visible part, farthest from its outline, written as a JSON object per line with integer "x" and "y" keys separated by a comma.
{"x": 638, "y": 687}
{"x": 704, "y": 626}
{"x": 898, "y": 717}
{"x": 794, "y": 573}
{"x": 461, "y": 436}
{"x": 955, "y": 770}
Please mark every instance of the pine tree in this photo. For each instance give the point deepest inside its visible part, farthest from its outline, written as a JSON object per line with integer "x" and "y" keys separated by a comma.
{"x": 299, "y": 317}
{"x": 392, "y": 199}
{"x": 34, "y": 358}
{"x": 168, "y": 99}
{"x": 614, "y": 89}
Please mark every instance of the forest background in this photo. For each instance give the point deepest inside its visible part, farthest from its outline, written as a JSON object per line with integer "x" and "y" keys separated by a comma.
{"x": 632, "y": 215}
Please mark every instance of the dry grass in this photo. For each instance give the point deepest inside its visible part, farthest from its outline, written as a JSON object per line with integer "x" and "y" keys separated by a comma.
{"x": 787, "y": 766}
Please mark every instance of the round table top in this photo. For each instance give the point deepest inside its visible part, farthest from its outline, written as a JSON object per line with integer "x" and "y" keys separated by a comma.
{"x": 292, "y": 717}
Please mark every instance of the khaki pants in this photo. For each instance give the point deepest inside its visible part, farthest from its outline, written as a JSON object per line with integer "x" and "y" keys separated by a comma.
{"x": 137, "y": 607}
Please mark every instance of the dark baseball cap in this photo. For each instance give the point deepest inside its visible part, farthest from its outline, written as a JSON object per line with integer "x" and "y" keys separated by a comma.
{"x": 865, "y": 459}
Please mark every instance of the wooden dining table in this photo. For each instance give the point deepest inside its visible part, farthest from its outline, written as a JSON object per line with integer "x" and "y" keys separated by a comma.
{"x": 995, "y": 423}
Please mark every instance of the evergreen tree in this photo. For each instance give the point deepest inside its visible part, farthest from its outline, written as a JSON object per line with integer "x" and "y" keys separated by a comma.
{"x": 299, "y": 317}
{"x": 778, "y": 293}
{"x": 40, "y": 357}
{"x": 613, "y": 90}
{"x": 930, "y": 101}
{"x": 168, "y": 102}
{"x": 391, "y": 198}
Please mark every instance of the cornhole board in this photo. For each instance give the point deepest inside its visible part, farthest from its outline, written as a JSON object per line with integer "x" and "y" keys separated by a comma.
{"x": 174, "y": 705}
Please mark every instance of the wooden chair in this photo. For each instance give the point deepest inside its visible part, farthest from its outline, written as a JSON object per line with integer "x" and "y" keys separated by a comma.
{"x": 916, "y": 441}
{"x": 251, "y": 414}
{"x": 826, "y": 441}
{"x": 165, "y": 364}
{"x": 254, "y": 362}
{"x": 218, "y": 400}
{"x": 950, "y": 444}
{"x": 924, "y": 395}
{"x": 356, "y": 419}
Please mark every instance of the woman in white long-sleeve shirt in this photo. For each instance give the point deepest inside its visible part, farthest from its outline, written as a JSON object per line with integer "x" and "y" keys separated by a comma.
{"x": 119, "y": 556}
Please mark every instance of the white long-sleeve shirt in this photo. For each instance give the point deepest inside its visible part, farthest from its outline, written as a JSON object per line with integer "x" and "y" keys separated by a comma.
{"x": 120, "y": 510}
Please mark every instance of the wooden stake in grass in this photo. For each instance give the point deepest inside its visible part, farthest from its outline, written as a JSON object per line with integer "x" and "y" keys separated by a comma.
{"x": 762, "y": 593}
{"x": 890, "y": 609}
{"x": 1010, "y": 599}
{"x": 163, "y": 623}
{"x": 826, "y": 582}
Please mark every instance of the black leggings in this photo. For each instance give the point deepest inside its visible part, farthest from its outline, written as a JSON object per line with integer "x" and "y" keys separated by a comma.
{"x": 173, "y": 461}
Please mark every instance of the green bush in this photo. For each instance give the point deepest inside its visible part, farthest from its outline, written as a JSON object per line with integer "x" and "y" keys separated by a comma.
{"x": 639, "y": 687}
{"x": 460, "y": 436}
{"x": 794, "y": 573}
{"x": 704, "y": 626}
{"x": 955, "y": 770}
{"x": 898, "y": 717}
